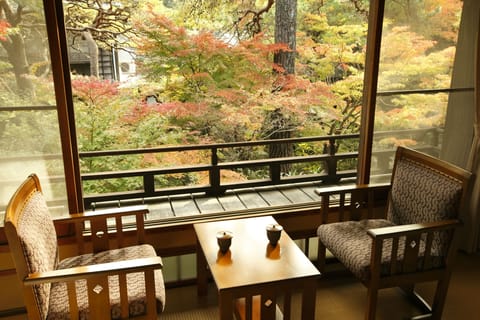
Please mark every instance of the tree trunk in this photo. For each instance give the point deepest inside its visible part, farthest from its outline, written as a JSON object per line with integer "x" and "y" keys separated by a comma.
{"x": 93, "y": 53}
{"x": 285, "y": 32}
{"x": 17, "y": 56}
{"x": 277, "y": 126}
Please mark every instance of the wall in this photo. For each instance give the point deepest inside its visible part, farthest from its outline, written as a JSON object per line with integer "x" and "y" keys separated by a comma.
{"x": 10, "y": 290}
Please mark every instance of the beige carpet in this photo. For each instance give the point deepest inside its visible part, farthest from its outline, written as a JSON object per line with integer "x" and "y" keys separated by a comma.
{"x": 210, "y": 313}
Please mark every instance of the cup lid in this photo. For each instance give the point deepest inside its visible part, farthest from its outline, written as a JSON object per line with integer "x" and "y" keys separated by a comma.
{"x": 274, "y": 227}
{"x": 224, "y": 235}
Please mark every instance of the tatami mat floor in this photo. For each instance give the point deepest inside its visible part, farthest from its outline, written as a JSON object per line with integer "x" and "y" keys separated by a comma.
{"x": 340, "y": 296}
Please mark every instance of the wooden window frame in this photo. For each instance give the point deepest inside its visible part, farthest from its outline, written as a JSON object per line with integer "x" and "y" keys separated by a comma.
{"x": 63, "y": 94}
{"x": 65, "y": 109}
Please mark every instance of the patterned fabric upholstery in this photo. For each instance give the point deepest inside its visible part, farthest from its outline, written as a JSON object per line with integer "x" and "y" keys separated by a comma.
{"x": 350, "y": 244}
{"x": 39, "y": 244}
{"x": 418, "y": 194}
{"x": 422, "y": 194}
{"x": 58, "y": 308}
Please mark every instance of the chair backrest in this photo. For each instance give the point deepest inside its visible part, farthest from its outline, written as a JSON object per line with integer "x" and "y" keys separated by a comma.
{"x": 32, "y": 239}
{"x": 425, "y": 189}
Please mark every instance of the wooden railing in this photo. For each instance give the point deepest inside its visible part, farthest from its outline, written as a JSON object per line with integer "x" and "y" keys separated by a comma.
{"x": 330, "y": 174}
{"x": 330, "y": 158}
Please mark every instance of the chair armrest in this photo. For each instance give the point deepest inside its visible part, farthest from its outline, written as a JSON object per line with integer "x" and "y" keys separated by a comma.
{"x": 101, "y": 269}
{"x": 350, "y": 188}
{"x": 99, "y": 224}
{"x": 352, "y": 202}
{"x": 412, "y": 251}
{"x": 403, "y": 230}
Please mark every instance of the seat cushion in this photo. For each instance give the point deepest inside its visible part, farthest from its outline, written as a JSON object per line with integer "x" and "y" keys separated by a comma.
{"x": 58, "y": 308}
{"x": 349, "y": 242}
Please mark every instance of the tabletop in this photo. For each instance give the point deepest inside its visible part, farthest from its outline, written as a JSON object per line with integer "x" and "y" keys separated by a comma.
{"x": 251, "y": 260}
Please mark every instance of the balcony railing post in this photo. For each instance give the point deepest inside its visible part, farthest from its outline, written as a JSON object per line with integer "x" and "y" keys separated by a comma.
{"x": 275, "y": 171}
{"x": 331, "y": 162}
{"x": 214, "y": 174}
{"x": 149, "y": 185}
{"x": 436, "y": 133}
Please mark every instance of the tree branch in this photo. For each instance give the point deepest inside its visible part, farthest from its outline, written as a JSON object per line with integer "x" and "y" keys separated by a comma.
{"x": 253, "y": 26}
{"x": 359, "y": 7}
{"x": 110, "y": 20}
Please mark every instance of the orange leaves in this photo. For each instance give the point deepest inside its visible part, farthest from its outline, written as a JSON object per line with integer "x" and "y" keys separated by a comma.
{"x": 231, "y": 96}
{"x": 155, "y": 22}
{"x": 215, "y": 85}
{"x": 392, "y": 142}
{"x": 137, "y": 113}
{"x": 4, "y": 25}
{"x": 207, "y": 43}
{"x": 93, "y": 90}
{"x": 205, "y": 65}
{"x": 408, "y": 45}
{"x": 443, "y": 17}
{"x": 182, "y": 109}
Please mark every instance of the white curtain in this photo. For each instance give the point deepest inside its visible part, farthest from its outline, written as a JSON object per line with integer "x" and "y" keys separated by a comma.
{"x": 474, "y": 158}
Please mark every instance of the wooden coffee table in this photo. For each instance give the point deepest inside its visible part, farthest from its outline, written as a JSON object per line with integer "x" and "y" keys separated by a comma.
{"x": 253, "y": 275}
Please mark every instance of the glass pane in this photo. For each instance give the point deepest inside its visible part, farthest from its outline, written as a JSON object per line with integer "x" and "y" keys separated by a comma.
{"x": 418, "y": 44}
{"x": 417, "y": 54}
{"x": 202, "y": 72}
{"x": 29, "y": 132}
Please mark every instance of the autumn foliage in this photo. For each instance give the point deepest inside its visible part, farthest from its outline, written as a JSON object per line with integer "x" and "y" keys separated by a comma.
{"x": 4, "y": 25}
{"x": 232, "y": 85}
{"x": 207, "y": 86}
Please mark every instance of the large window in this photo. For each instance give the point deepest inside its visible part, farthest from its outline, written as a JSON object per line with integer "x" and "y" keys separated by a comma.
{"x": 29, "y": 125}
{"x": 417, "y": 54}
{"x": 150, "y": 74}
{"x": 202, "y": 72}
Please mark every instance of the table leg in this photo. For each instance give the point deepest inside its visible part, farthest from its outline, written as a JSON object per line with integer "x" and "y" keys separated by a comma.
{"x": 202, "y": 272}
{"x": 225, "y": 304}
{"x": 309, "y": 300}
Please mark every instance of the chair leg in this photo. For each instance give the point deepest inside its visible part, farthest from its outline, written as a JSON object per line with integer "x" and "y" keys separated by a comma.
{"x": 372, "y": 296}
{"x": 440, "y": 297}
{"x": 321, "y": 256}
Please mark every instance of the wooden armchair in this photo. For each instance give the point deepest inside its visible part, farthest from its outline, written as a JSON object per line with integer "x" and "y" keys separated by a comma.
{"x": 117, "y": 283}
{"x": 417, "y": 241}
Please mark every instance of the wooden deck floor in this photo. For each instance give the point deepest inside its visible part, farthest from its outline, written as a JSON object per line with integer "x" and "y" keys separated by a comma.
{"x": 262, "y": 199}
{"x": 234, "y": 201}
